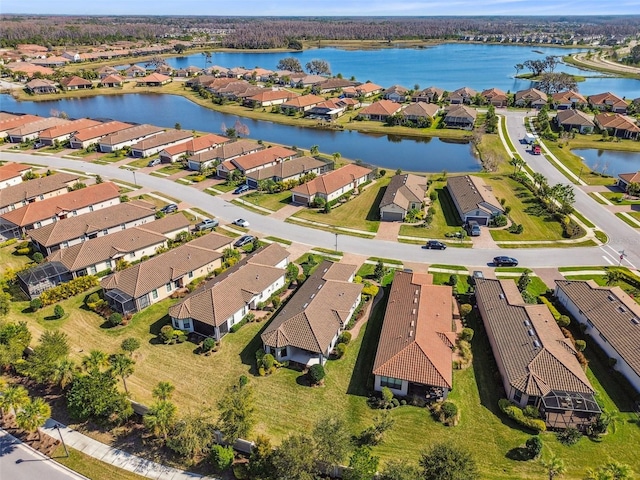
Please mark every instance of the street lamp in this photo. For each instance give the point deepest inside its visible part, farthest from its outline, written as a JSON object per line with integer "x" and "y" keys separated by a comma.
{"x": 336, "y": 243}
{"x": 57, "y": 427}
{"x": 134, "y": 177}
{"x": 580, "y": 174}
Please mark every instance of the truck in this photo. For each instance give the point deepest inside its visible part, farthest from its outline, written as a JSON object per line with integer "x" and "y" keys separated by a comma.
{"x": 536, "y": 149}
{"x": 529, "y": 138}
{"x": 207, "y": 224}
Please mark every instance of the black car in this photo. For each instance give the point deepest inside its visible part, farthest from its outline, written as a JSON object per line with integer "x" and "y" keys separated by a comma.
{"x": 505, "y": 261}
{"x": 244, "y": 240}
{"x": 434, "y": 245}
{"x": 172, "y": 207}
{"x": 476, "y": 275}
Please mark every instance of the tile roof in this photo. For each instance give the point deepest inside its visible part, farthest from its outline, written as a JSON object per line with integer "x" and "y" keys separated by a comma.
{"x": 12, "y": 170}
{"x": 568, "y": 97}
{"x": 332, "y": 181}
{"x": 303, "y": 101}
{"x": 574, "y": 117}
{"x": 17, "y": 121}
{"x": 75, "y": 81}
{"x": 105, "y": 218}
{"x": 420, "y": 109}
{"x": 154, "y": 78}
{"x": 461, "y": 111}
{"x": 403, "y": 190}
{"x": 60, "y": 204}
{"x": 227, "y": 150}
{"x": 111, "y": 79}
{"x": 416, "y": 340}
{"x": 607, "y": 98}
{"x": 612, "y": 312}
{"x": 531, "y": 94}
{"x": 67, "y": 128}
{"x": 263, "y": 157}
{"x": 100, "y": 130}
{"x": 470, "y": 192}
{"x": 197, "y": 144}
{"x": 527, "y": 341}
{"x": 463, "y": 92}
{"x": 317, "y": 311}
{"x": 381, "y": 107}
{"x": 38, "y": 126}
{"x": 168, "y": 136}
{"x": 617, "y": 121}
{"x": 156, "y": 272}
{"x": 284, "y": 170}
{"x": 633, "y": 177}
{"x": 32, "y": 188}
{"x": 224, "y": 295}
{"x": 271, "y": 95}
{"x": 131, "y": 133}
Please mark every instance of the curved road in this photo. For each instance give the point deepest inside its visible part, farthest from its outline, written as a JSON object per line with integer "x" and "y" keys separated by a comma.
{"x": 531, "y": 257}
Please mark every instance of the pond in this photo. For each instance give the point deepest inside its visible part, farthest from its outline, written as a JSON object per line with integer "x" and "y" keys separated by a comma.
{"x": 386, "y": 151}
{"x": 448, "y": 66}
{"x": 609, "y": 161}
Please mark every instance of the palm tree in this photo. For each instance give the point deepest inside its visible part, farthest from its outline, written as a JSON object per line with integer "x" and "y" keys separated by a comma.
{"x": 555, "y": 467}
{"x": 95, "y": 361}
{"x": 315, "y": 149}
{"x": 160, "y": 418}
{"x": 163, "y": 391}
{"x": 33, "y": 415}
{"x": 611, "y": 471}
{"x": 64, "y": 373}
{"x": 611, "y": 419}
{"x": 517, "y": 163}
{"x": 122, "y": 366}
{"x": 13, "y": 397}
{"x": 613, "y": 276}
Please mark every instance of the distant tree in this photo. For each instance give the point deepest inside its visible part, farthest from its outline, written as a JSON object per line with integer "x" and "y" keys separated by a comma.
{"x": 534, "y": 446}
{"x": 399, "y": 470}
{"x": 316, "y": 374}
{"x": 633, "y": 189}
{"x": 58, "y": 311}
{"x": 64, "y": 372}
{"x": 130, "y": 345}
{"x": 554, "y": 467}
{"x": 551, "y": 82}
{"x": 192, "y": 435}
{"x": 294, "y": 458}
{"x": 237, "y": 412}
{"x": 261, "y": 459}
{"x": 12, "y": 397}
{"x": 95, "y": 396}
{"x": 518, "y": 67}
{"x": 289, "y": 63}
{"x": 362, "y": 465}
{"x": 122, "y": 366}
{"x": 332, "y": 440}
{"x": 611, "y": 471}
{"x": 5, "y": 303}
{"x": 178, "y": 126}
{"x": 447, "y": 462}
{"x": 99, "y": 180}
{"x": 163, "y": 391}
{"x": 613, "y": 276}
{"x": 33, "y": 415}
{"x": 379, "y": 270}
{"x": 179, "y": 48}
{"x": 160, "y": 418}
{"x": 318, "y": 67}
{"x": 51, "y": 350}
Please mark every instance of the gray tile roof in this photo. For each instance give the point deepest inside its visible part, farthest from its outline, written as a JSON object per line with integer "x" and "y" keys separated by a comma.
{"x": 470, "y": 192}
{"x": 32, "y": 188}
{"x": 403, "y": 190}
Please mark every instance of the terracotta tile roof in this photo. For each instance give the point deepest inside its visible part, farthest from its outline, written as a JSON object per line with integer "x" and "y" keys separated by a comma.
{"x": 32, "y": 188}
{"x": 111, "y": 79}
{"x": 420, "y": 109}
{"x": 130, "y": 133}
{"x": 403, "y": 190}
{"x": 607, "y": 98}
{"x": 612, "y": 312}
{"x": 74, "y": 227}
{"x": 40, "y": 82}
{"x": 67, "y": 128}
{"x": 332, "y": 181}
{"x": 493, "y": 93}
{"x": 271, "y": 95}
{"x": 224, "y": 295}
{"x": 75, "y": 81}
{"x": 430, "y": 91}
{"x": 616, "y": 121}
{"x": 68, "y": 202}
{"x": 156, "y": 272}
{"x": 333, "y": 84}
{"x": 197, "y": 144}
{"x": 13, "y": 170}
{"x": 471, "y": 192}
{"x": 633, "y": 177}
{"x": 284, "y": 170}
{"x": 263, "y": 157}
{"x": 527, "y": 341}
{"x": 17, "y": 121}
{"x": 303, "y": 101}
{"x": 461, "y": 111}
{"x": 399, "y": 89}
{"x": 531, "y": 94}
{"x": 154, "y": 78}
{"x": 319, "y": 308}
{"x": 99, "y": 131}
{"x": 368, "y": 87}
{"x": 29, "y": 69}
{"x": 463, "y": 92}
{"x": 38, "y": 126}
{"x": 163, "y": 138}
{"x": 227, "y": 150}
{"x": 574, "y": 117}
{"x": 568, "y": 97}
{"x": 382, "y": 107}
{"x": 166, "y": 225}
{"x": 417, "y": 339}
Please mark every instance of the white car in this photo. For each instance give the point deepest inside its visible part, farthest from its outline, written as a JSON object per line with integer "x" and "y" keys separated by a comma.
{"x": 241, "y": 222}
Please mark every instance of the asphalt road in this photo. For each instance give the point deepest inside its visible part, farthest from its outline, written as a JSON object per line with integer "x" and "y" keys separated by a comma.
{"x": 19, "y": 462}
{"x": 264, "y": 226}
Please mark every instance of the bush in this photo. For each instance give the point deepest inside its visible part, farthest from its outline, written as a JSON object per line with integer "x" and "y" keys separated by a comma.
{"x": 465, "y": 309}
{"x": 58, "y": 311}
{"x": 35, "y": 304}
{"x": 581, "y": 345}
{"x": 341, "y": 349}
{"x": 6, "y": 243}
{"x": 93, "y": 298}
{"x": 500, "y": 221}
{"x": 370, "y": 290}
{"x": 115, "y": 319}
{"x": 531, "y": 412}
{"x": 23, "y": 251}
{"x": 534, "y": 447}
{"x": 344, "y": 337}
{"x": 316, "y": 374}
{"x": 466, "y": 334}
{"x": 554, "y": 311}
{"x": 516, "y": 414}
{"x": 208, "y": 344}
{"x": 68, "y": 289}
{"x": 448, "y": 410}
{"x": 569, "y": 437}
{"x": 563, "y": 321}
{"x": 268, "y": 361}
{"x": 38, "y": 257}
{"x": 221, "y": 457}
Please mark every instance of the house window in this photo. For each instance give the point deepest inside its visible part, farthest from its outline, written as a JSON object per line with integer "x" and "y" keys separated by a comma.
{"x": 154, "y": 294}
{"x": 74, "y": 213}
{"x": 91, "y": 208}
{"x": 109, "y": 264}
{"x": 390, "y": 382}
{"x": 517, "y": 396}
{"x": 168, "y": 287}
{"x": 105, "y": 232}
{"x": 186, "y": 324}
{"x": 93, "y": 270}
{"x": 190, "y": 274}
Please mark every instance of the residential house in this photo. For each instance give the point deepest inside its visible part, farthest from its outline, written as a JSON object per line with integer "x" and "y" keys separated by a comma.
{"x": 304, "y": 81}
{"x": 192, "y": 147}
{"x": 405, "y": 192}
{"x": 329, "y": 110}
{"x": 156, "y": 143}
{"x": 62, "y": 133}
{"x": 75, "y": 83}
{"x": 495, "y": 97}
{"x": 574, "y": 120}
{"x": 331, "y": 185}
{"x": 127, "y": 137}
{"x": 238, "y": 91}
{"x": 236, "y": 72}
{"x": 331, "y": 85}
{"x": 112, "y": 81}
{"x": 473, "y": 199}
{"x": 35, "y": 190}
{"x": 460, "y": 116}
{"x": 164, "y": 69}
{"x": 225, "y": 152}
{"x": 415, "y": 349}
{"x": 396, "y": 93}
{"x": 11, "y": 174}
{"x": 90, "y": 136}
{"x": 153, "y": 80}
{"x": 420, "y": 112}
{"x": 107, "y": 71}
{"x": 268, "y": 98}
{"x": 135, "y": 71}
{"x": 103, "y": 253}
{"x": 26, "y": 70}
{"x": 537, "y": 364}
{"x": 608, "y": 102}
{"x": 293, "y": 169}
{"x": 568, "y": 100}
{"x": 135, "y": 288}
{"x": 7, "y": 124}
{"x": 41, "y": 85}
{"x": 255, "y": 161}
{"x": 215, "y": 307}
{"x": 624, "y": 179}
{"x": 618, "y": 125}
{"x": 610, "y": 317}
{"x": 53, "y": 61}
{"x": 39, "y": 214}
{"x": 31, "y": 130}
{"x": 190, "y": 71}
{"x": 380, "y": 110}
{"x": 530, "y": 98}
{"x": 36, "y": 280}
{"x": 201, "y": 81}
{"x": 72, "y": 56}
{"x": 462, "y": 95}
{"x": 73, "y": 230}
{"x": 306, "y": 329}
{"x": 301, "y": 103}
{"x": 363, "y": 90}
{"x": 258, "y": 74}
{"x": 428, "y": 95}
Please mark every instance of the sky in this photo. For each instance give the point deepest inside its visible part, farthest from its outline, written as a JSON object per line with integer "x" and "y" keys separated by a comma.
{"x": 325, "y": 7}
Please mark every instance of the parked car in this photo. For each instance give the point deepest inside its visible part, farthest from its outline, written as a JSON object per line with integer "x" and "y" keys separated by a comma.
{"x": 434, "y": 245}
{"x": 473, "y": 229}
{"x": 38, "y": 145}
{"x": 241, "y": 222}
{"x": 172, "y": 207}
{"x": 476, "y": 275}
{"x": 505, "y": 261}
{"x": 154, "y": 162}
{"x": 244, "y": 240}
{"x": 207, "y": 224}
{"x": 241, "y": 189}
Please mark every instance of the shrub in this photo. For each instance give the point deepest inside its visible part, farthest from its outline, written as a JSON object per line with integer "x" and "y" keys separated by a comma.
{"x": 208, "y": 344}
{"x": 168, "y": 334}
{"x": 268, "y": 361}
{"x": 38, "y": 257}
{"x": 448, "y": 410}
{"x": 370, "y": 290}
{"x": 465, "y": 309}
{"x": 531, "y": 412}
{"x": 341, "y": 349}
{"x": 564, "y": 321}
{"x": 221, "y": 457}
{"x": 516, "y": 414}
{"x": 58, "y": 311}
{"x": 6, "y": 243}
{"x": 344, "y": 337}
{"x": 554, "y": 311}
{"x": 23, "y": 251}
{"x": 453, "y": 280}
{"x": 569, "y": 437}
{"x": 534, "y": 447}
{"x": 115, "y": 319}
{"x": 466, "y": 334}
{"x": 316, "y": 374}
{"x": 93, "y": 298}
{"x": 35, "y": 304}
{"x": 68, "y": 289}
{"x": 581, "y": 345}
{"x": 500, "y": 221}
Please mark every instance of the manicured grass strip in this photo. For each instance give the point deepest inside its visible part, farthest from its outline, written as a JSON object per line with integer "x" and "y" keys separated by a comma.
{"x": 448, "y": 267}
{"x": 154, "y": 174}
{"x": 141, "y": 162}
{"x": 128, "y": 184}
{"x": 617, "y": 198}
{"x": 272, "y": 201}
{"x": 385, "y": 260}
{"x": 211, "y": 192}
{"x": 91, "y": 467}
{"x": 583, "y": 219}
{"x": 182, "y": 181}
{"x": 278, "y": 240}
{"x": 202, "y": 212}
{"x": 513, "y": 269}
{"x": 600, "y": 235}
{"x": 172, "y": 199}
{"x": 584, "y": 243}
{"x": 597, "y": 198}
{"x": 579, "y": 269}
{"x": 250, "y": 208}
{"x": 225, "y": 187}
{"x": 327, "y": 250}
{"x": 627, "y": 220}
{"x": 328, "y": 228}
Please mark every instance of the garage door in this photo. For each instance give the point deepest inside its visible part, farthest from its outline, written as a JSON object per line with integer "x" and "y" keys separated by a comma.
{"x": 481, "y": 220}
{"x": 253, "y": 183}
{"x": 392, "y": 216}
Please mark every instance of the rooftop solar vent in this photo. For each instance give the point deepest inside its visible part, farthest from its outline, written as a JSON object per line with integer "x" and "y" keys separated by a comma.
{"x": 530, "y": 332}
{"x": 527, "y": 323}
{"x": 622, "y": 310}
{"x": 536, "y": 343}
{"x": 635, "y": 321}
{"x": 501, "y": 296}
{"x": 305, "y": 305}
{"x": 610, "y": 297}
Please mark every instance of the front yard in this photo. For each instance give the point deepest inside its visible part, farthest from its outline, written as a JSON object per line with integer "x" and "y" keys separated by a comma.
{"x": 272, "y": 201}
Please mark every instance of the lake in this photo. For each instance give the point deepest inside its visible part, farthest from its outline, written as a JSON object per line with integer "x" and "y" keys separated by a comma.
{"x": 386, "y": 151}
{"x": 609, "y": 161}
{"x": 448, "y": 66}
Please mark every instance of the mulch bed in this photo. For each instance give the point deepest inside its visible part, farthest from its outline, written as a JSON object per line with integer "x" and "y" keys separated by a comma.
{"x": 42, "y": 443}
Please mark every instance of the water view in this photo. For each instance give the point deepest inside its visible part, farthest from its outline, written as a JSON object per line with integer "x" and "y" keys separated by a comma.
{"x": 609, "y": 161}
{"x": 386, "y": 151}
{"x": 449, "y": 66}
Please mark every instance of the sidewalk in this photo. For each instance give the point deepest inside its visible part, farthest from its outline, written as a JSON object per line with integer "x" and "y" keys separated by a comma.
{"x": 116, "y": 457}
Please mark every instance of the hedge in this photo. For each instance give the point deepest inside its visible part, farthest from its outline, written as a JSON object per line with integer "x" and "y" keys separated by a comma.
{"x": 554, "y": 311}
{"x": 6, "y": 243}
{"x": 68, "y": 289}
{"x": 515, "y": 413}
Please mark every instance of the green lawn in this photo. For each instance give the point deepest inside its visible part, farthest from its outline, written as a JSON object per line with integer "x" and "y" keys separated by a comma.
{"x": 170, "y": 169}
{"x": 360, "y": 213}
{"x": 575, "y": 164}
{"x": 617, "y": 198}
{"x": 225, "y": 187}
{"x": 445, "y": 219}
{"x": 151, "y": 199}
{"x": 624, "y": 218}
{"x": 272, "y": 201}
{"x": 91, "y": 467}
{"x": 142, "y": 162}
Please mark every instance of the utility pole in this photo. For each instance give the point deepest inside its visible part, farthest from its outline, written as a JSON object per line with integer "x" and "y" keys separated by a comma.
{"x": 336, "y": 243}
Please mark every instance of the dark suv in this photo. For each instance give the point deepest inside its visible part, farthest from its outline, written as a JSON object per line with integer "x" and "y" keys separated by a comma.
{"x": 505, "y": 261}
